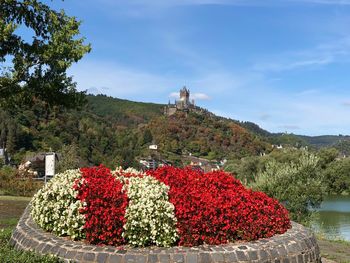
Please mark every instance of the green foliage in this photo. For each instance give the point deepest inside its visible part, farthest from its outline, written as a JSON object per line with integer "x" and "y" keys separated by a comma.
{"x": 69, "y": 158}
{"x": 343, "y": 146}
{"x": 296, "y": 184}
{"x": 254, "y": 128}
{"x": 37, "y": 67}
{"x": 117, "y": 132}
{"x": 245, "y": 169}
{"x": 324, "y": 140}
{"x": 327, "y": 156}
{"x": 288, "y": 139}
{"x": 9, "y": 255}
{"x": 9, "y": 132}
{"x": 204, "y": 136}
{"x": 336, "y": 177}
{"x": 13, "y": 184}
{"x": 123, "y": 112}
{"x": 147, "y": 137}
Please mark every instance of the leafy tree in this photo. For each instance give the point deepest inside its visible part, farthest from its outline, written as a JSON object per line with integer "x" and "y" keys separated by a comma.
{"x": 343, "y": 146}
{"x": 147, "y": 137}
{"x": 69, "y": 158}
{"x": 296, "y": 184}
{"x": 286, "y": 155}
{"x": 327, "y": 156}
{"x": 33, "y": 70}
{"x": 336, "y": 177}
{"x": 245, "y": 169}
{"x": 112, "y": 131}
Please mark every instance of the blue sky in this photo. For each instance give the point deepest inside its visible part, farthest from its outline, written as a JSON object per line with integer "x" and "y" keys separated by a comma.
{"x": 283, "y": 64}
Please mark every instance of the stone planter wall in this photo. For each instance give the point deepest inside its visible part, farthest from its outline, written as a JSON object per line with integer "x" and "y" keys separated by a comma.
{"x": 297, "y": 245}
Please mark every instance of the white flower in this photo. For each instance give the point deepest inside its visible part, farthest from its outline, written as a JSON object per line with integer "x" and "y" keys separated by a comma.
{"x": 150, "y": 216}
{"x": 55, "y": 207}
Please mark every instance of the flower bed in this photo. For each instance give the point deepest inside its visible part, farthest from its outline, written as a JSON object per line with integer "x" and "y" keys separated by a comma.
{"x": 55, "y": 207}
{"x": 165, "y": 207}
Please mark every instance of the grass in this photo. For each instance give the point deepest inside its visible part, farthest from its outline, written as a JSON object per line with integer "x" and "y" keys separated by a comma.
{"x": 334, "y": 249}
{"x": 14, "y": 198}
{"x": 9, "y": 222}
{"x": 11, "y": 208}
{"x": 9, "y": 255}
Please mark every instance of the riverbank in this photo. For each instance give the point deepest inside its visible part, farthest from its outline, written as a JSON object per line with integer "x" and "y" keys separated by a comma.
{"x": 333, "y": 218}
{"x": 336, "y": 250}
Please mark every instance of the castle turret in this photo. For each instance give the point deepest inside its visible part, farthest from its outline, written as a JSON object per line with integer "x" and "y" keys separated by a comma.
{"x": 185, "y": 95}
{"x": 184, "y": 102}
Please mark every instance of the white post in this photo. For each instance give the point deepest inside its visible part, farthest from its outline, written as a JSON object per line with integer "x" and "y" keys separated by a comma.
{"x": 49, "y": 165}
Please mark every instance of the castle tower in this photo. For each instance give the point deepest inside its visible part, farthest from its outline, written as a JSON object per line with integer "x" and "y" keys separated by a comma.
{"x": 183, "y": 104}
{"x": 185, "y": 95}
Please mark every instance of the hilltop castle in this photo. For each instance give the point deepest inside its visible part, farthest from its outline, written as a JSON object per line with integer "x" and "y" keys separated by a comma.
{"x": 183, "y": 104}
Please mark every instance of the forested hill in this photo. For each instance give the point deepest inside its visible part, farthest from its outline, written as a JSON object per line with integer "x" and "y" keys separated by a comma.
{"x": 124, "y": 112}
{"x": 114, "y": 131}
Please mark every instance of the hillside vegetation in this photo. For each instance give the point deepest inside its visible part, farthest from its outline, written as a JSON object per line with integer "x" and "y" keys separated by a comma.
{"x": 114, "y": 131}
{"x": 124, "y": 112}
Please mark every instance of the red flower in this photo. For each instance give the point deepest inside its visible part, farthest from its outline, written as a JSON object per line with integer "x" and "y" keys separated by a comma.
{"x": 215, "y": 208}
{"x": 105, "y": 205}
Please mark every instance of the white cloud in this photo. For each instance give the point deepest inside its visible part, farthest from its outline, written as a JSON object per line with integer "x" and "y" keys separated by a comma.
{"x": 321, "y": 55}
{"x": 290, "y": 65}
{"x": 174, "y": 95}
{"x": 194, "y": 96}
{"x": 247, "y": 97}
{"x": 200, "y": 96}
{"x": 119, "y": 81}
{"x": 127, "y": 82}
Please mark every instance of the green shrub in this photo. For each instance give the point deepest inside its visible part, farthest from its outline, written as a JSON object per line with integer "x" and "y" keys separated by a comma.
{"x": 296, "y": 184}
{"x": 69, "y": 158}
{"x": 336, "y": 177}
{"x": 13, "y": 184}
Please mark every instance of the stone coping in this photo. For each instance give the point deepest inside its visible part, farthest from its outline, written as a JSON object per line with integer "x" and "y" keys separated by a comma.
{"x": 297, "y": 245}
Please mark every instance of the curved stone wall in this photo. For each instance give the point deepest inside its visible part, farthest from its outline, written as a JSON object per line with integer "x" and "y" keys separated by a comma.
{"x": 296, "y": 245}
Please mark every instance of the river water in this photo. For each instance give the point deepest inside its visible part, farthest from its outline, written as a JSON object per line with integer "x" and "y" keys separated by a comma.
{"x": 333, "y": 218}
